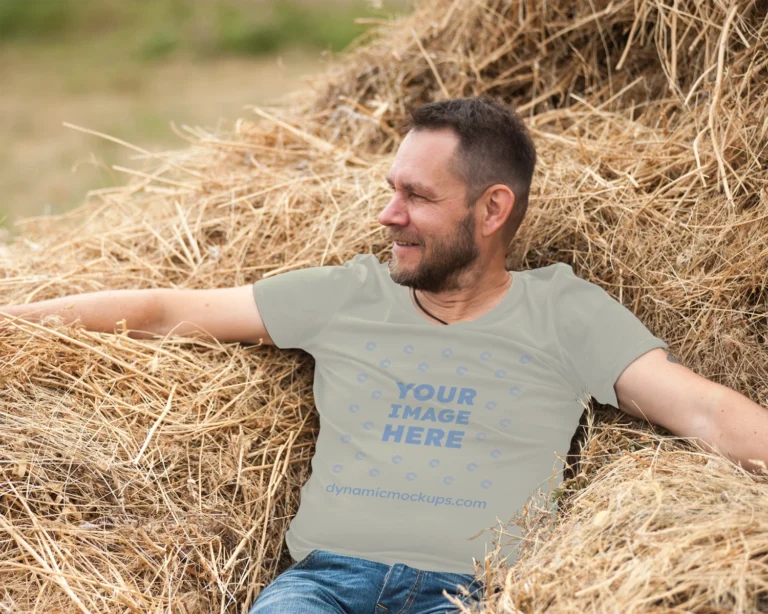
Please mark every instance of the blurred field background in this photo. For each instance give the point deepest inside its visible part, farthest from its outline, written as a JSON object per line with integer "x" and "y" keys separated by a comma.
{"x": 128, "y": 69}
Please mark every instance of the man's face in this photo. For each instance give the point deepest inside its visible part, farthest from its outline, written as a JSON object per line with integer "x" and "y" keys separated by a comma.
{"x": 428, "y": 208}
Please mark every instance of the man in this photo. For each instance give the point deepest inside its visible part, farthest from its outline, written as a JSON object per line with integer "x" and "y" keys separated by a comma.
{"x": 446, "y": 385}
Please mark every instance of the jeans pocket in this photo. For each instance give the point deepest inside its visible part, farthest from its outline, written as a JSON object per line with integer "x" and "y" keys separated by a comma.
{"x": 477, "y": 589}
{"x": 303, "y": 562}
{"x": 474, "y": 586}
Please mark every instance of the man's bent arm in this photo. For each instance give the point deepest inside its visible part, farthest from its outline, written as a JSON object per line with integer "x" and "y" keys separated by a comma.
{"x": 657, "y": 387}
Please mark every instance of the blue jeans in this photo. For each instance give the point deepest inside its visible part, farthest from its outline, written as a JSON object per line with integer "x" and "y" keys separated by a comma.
{"x": 324, "y": 582}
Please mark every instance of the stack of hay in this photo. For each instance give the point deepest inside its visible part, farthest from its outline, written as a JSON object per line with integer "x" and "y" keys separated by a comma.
{"x": 160, "y": 476}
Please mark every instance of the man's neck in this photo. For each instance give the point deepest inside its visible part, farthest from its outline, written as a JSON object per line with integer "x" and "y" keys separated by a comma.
{"x": 466, "y": 303}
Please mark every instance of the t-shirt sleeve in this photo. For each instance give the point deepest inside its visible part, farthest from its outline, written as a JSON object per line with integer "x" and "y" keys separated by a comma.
{"x": 597, "y": 335}
{"x": 298, "y": 305}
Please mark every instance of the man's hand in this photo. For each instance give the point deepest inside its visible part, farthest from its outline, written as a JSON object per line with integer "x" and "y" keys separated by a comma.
{"x": 660, "y": 389}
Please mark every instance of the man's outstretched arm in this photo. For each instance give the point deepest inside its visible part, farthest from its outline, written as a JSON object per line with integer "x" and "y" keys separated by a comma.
{"x": 96, "y": 311}
{"x": 227, "y": 314}
{"x": 660, "y": 389}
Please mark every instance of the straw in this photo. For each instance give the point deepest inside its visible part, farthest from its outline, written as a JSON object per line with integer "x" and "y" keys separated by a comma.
{"x": 160, "y": 475}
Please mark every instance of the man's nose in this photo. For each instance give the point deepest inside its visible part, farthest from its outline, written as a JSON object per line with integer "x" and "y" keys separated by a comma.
{"x": 394, "y": 213}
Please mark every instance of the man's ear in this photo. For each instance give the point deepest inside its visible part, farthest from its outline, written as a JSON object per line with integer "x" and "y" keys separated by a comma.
{"x": 499, "y": 201}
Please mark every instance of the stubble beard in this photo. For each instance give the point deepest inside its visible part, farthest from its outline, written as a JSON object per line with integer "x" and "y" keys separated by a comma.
{"x": 447, "y": 260}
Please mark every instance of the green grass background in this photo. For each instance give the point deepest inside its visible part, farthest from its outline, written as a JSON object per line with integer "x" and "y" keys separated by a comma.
{"x": 128, "y": 67}
{"x": 147, "y": 29}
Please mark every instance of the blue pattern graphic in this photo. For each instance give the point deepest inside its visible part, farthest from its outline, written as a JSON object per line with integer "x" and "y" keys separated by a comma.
{"x": 346, "y": 438}
{"x": 410, "y": 476}
{"x": 448, "y": 480}
{"x": 370, "y": 346}
{"x": 362, "y": 377}
{"x": 423, "y": 366}
{"x": 337, "y": 468}
{"x": 434, "y": 463}
{"x": 373, "y": 472}
{"x": 495, "y": 453}
{"x": 485, "y": 483}
{"x": 514, "y": 391}
{"x": 485, "y": 356}
{"x": 376, "y": 394}
{"x": 462, "y": 370}
{"x": 385, "y": 363}
{"x": 447, "y": 353}
{"x": 368, "y": 425}
{"x": 505, "y": 422}
{"x": 525, "y": 359}
{"x": 354, "y": 408}
{"x": 482, "y": 436}
{"x": 359, "y": 455}
{"x": 490, "y": 405}
{"x": 500, "y": 373}
{"x": 397, "y": 459}
{"x": 408, "y": 349}
{"x": 471, "y": 466}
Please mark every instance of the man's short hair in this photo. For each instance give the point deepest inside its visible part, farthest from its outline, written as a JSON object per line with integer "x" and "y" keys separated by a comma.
{"x": 494, "y": 147}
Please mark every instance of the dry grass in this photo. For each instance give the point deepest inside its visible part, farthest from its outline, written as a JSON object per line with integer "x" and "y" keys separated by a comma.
{"x": 158, "y": 476}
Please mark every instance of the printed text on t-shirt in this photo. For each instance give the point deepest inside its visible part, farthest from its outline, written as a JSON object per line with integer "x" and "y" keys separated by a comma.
{"x": 416, "y": 435}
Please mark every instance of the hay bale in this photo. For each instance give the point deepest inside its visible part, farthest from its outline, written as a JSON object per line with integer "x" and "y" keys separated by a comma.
{"x": 651, "y": 526}
{"x": 154, "y": 476}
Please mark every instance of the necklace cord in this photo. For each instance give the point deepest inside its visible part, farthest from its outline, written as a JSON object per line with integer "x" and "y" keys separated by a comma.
{"x": 425, "y": 311}
{"x": 416, "y": 298}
